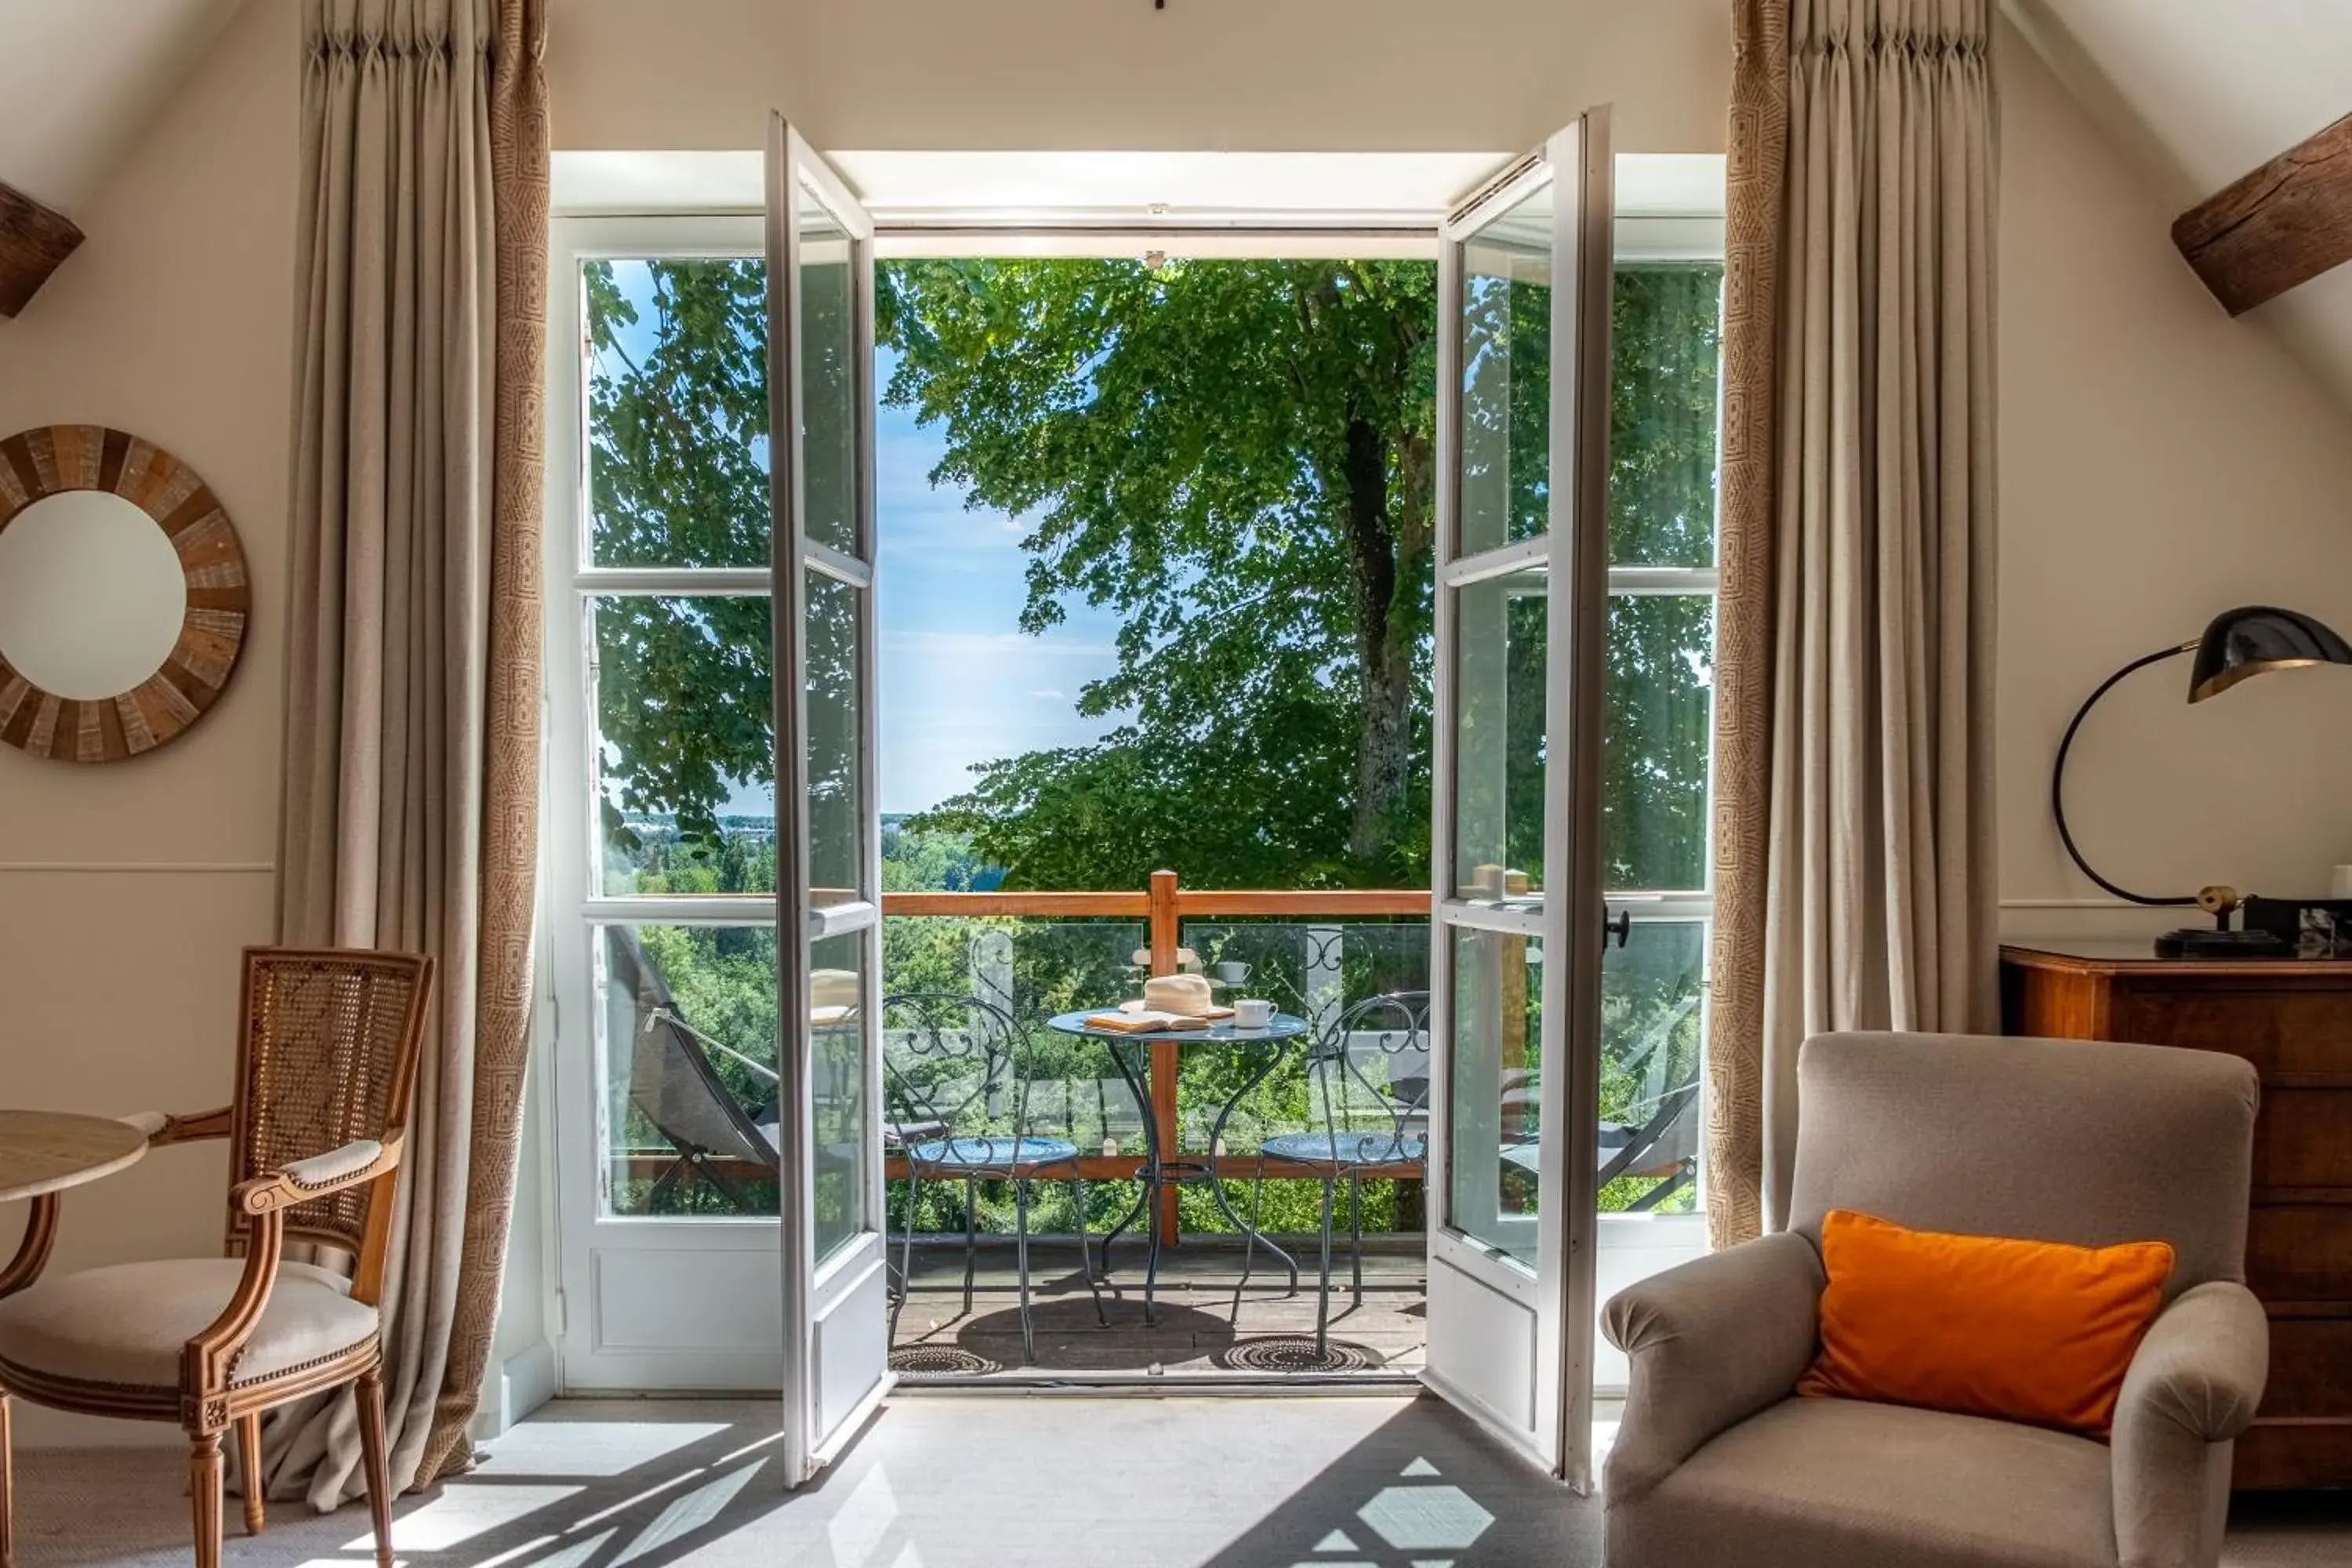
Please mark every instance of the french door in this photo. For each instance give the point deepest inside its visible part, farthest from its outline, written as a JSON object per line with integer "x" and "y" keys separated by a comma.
{"x": 1524, "y": 291}
{"x": 820, "y": 282}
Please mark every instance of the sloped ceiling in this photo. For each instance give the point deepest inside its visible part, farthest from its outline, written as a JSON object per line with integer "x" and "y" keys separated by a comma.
{"x": 79, "y": 78}
{"x": 2198, "y": 93}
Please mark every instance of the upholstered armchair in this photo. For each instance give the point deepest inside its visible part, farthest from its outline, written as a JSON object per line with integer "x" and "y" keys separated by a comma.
{"x": 1715, "y": 1462}
{"x": 327, "y": 1056}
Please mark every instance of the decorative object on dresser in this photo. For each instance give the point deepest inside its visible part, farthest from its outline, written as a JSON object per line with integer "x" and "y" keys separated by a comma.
{"x": 2292, "y": 1018}
{"x": 2236, "y": 646}
{"x": 123, "y": 595}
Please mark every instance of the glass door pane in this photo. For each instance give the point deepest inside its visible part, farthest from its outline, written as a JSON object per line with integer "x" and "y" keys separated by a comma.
{"x": 1497, "y": 1089}
{"x": 1506, "y": 380}
{"x": 829, "y": 833}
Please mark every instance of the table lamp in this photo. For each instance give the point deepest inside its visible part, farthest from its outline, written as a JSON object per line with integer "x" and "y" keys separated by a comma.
{"x": 2240, "y": 644}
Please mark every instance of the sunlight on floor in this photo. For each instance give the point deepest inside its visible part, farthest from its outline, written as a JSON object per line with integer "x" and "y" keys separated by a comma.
{"x": 590, "y": 1448}
{"x": 462, "y": 1512}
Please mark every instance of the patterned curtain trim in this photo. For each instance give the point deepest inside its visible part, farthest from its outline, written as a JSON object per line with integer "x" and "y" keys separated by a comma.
{"x": 510, "y": 868}
{"x": 1757, "y": 145}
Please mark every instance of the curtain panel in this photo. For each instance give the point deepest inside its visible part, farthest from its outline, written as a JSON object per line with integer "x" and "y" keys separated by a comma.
{"x": 1854, "y": 828}
{"x": 409, "y": 817}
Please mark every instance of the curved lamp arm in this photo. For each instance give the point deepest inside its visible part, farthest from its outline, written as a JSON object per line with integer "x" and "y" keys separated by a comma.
{"x": 2058, "y": 776}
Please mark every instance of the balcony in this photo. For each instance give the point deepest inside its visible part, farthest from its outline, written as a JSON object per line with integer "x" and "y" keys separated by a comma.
{"x": 1224, "y": 1306}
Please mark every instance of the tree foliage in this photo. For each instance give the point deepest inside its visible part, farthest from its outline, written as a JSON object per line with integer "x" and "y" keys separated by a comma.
{"x": 1235, "y": 456}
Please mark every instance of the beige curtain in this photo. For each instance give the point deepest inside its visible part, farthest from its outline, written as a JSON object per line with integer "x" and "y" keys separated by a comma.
{"x": 1861, "y": 509}
{"x": 410, "y": 783}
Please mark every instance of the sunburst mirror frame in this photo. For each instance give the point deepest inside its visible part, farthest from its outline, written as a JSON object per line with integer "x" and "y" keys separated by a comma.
{"x": 54, "y": 459}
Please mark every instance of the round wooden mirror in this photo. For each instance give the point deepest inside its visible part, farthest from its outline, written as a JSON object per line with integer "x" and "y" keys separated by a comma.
{"x": 123, "y": 595}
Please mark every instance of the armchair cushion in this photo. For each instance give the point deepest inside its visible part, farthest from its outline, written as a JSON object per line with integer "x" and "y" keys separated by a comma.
{"x": 127, "y": 1324}
{"x": 335, "y": 1163}
{"x": 1822, "y": 1483}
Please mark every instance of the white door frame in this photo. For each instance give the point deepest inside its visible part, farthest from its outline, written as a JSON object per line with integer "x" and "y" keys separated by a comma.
{"x": 836, "y": 1340}
{"x": 619, "y": 1277}
{"x": 1493, "y": 1321}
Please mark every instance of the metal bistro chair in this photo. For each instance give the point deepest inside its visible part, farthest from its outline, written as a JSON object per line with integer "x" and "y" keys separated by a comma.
{"x": 1367, "y": 1124}
{"x": 957, "y": 1074}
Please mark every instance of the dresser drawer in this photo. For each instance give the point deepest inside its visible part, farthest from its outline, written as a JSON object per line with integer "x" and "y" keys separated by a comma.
{"x": 2300, "y": 1252}
{"x": 2311, "y": 1368}
{"x": 2302, "y": 1138}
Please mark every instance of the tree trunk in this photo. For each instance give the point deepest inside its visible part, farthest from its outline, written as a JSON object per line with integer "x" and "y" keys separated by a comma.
{"x": 1383, "y": 650}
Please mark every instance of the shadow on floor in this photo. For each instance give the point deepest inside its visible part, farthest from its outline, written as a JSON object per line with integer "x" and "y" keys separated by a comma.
{"x": 1425, "y": 1487}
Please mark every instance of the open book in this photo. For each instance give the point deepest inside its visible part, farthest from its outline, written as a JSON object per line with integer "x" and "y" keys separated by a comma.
{"x": 1144, "y": 1021}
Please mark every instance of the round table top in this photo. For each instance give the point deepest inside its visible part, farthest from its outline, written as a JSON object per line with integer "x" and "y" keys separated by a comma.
{"x": 1224, "y": 1032}
{"x": 49, "y": 1150}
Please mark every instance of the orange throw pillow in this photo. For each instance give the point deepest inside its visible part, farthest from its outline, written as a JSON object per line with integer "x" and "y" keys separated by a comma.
{"x": 2036, "y": 1331}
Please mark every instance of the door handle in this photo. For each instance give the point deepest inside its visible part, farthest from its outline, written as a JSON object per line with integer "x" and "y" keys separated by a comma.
{"x": 1622, "y": 928}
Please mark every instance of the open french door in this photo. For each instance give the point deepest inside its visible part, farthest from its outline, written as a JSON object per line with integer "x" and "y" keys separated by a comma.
{"x": 820, "y": 248}
{"x": 1524, "y": 280}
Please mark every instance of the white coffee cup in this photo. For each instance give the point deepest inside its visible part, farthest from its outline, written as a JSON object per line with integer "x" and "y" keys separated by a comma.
{"x": 1253, "y": 1013}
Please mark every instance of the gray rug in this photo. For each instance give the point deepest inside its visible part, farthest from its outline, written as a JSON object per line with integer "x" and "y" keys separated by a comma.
{"x": 943, "y": 1482}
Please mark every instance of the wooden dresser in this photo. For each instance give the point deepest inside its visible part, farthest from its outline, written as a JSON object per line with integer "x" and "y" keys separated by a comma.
{"x": 2293, "y": 1019}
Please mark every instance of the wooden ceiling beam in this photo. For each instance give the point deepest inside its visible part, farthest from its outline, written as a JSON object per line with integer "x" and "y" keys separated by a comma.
{"x": 33, "y": 241}
{"x": 2285, "y": 224}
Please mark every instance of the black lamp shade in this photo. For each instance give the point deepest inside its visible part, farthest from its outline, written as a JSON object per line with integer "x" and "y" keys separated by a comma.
{"x": 2258, "y": 637}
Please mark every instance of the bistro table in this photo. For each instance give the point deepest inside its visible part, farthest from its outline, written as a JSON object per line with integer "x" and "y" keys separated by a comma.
{"x": 43, "y": 1153}
{"x": 1164, "y": 1167}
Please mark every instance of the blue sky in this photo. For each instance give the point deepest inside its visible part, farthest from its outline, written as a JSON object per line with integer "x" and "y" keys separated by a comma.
{"x": 960, "y": 683}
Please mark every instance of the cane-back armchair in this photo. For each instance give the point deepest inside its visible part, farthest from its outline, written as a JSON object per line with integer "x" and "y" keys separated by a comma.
{"x": 328, "y": 1041}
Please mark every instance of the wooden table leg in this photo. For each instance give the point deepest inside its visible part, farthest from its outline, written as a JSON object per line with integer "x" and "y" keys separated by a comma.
{"x": 33, "y": 1250}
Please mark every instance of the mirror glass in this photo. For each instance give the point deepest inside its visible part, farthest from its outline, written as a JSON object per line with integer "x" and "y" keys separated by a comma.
{"x": 92, "y": 594}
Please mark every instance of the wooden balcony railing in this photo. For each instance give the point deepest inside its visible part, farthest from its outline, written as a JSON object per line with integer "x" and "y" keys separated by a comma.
{"x": 1164, "y": 906}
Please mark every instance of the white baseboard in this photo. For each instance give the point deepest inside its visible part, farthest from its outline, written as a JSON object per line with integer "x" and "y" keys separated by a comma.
{"x": 518, "y": 1385}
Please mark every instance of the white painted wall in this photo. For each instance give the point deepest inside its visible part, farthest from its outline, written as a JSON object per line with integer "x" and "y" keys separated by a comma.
{"x": 80, "y": 79}
{"x": 174, "y": 321}
{"x": 2159, "y": 463}
{"x": 2196, "y": 94}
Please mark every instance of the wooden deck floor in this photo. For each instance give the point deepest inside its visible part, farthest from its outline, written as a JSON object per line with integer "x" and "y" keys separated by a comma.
{"x": 1209, "y": 1324}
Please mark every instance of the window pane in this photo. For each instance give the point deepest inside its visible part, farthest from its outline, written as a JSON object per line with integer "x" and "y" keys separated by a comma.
{"x": 1499, "y": 759}
{"x": 689, "y": 1016}
{"x": 685, "y": 790}
{"x": 835, "y": 684}
{"x": 1665, "y": 346}
{"x": 1506, "y": 329}
{"x": 1654, "y": 750}
{"x": 838, "y": 1089}
{"x": 1495, "y": 1125}
{"x": 828, "y": 349}
{"x": 1651, "y": 1114}
{"x": 678, "y": 411}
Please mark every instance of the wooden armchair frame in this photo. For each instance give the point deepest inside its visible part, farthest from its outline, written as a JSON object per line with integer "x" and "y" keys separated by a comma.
{"x": 209, "y": 1401}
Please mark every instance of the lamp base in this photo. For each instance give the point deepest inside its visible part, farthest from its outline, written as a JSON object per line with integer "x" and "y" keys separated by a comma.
{"x": 2206, "y": 943}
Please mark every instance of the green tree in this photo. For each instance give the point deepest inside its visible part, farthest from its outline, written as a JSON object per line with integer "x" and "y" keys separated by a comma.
{"x": 1236, "y": 456}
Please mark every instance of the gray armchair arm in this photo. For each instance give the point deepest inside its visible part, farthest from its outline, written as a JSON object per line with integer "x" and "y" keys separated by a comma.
{"x": 2192, "y": 1387}
{"x": 1712, "y": 1343}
